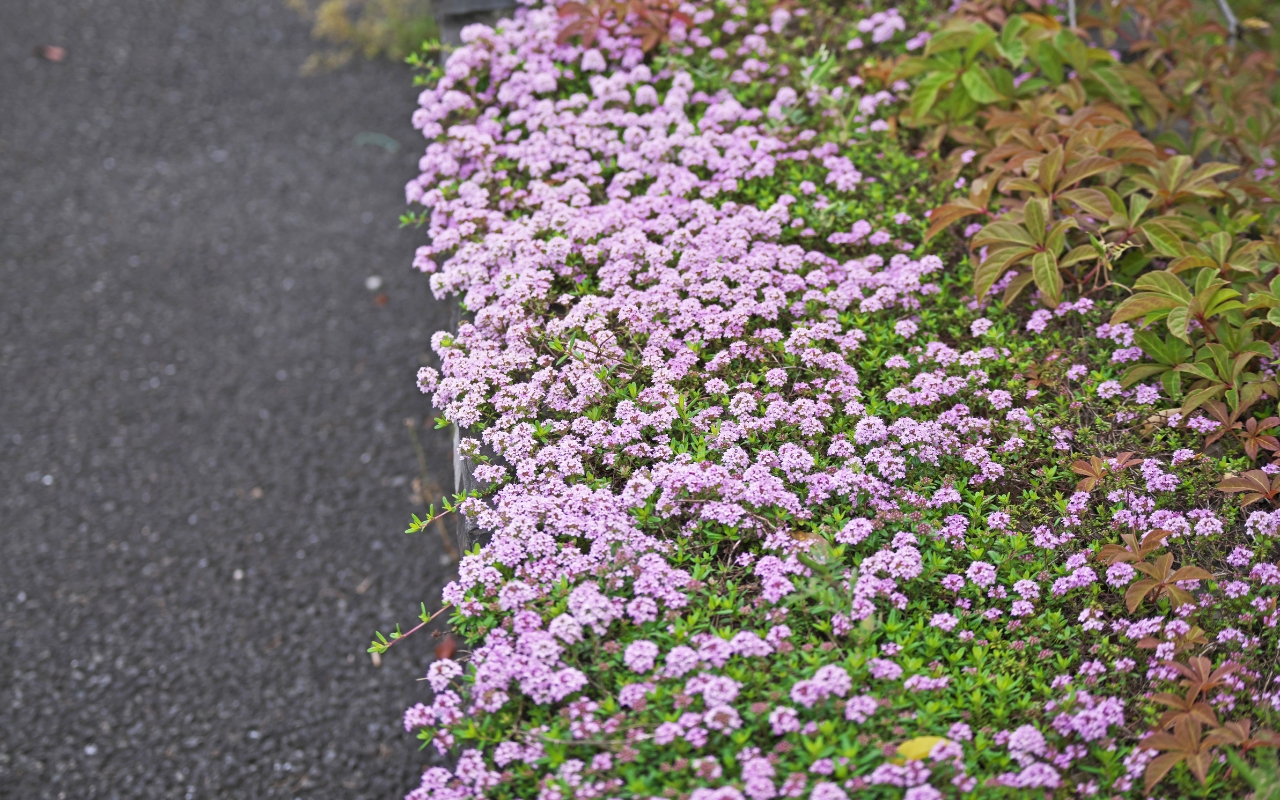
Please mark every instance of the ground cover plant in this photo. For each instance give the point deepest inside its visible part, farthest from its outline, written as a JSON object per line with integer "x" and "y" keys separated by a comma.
{"x": 373, "y": 28}
{"x": 882, "y": 400}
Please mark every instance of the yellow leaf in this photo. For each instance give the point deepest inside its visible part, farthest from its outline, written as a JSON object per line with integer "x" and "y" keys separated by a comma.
{"x": 918, "y": 749}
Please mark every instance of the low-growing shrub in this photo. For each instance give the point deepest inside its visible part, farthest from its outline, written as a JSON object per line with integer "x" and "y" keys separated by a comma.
{"x": 783, "y": 506}
{"x": 1109, "y": 176}
{"x": 393, "y": 29}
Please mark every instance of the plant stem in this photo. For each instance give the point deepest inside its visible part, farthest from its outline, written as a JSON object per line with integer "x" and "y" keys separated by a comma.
{"x": 1233, "y": 24}
{"x": 418, "y": 627}
{"x": 449, "y": 549}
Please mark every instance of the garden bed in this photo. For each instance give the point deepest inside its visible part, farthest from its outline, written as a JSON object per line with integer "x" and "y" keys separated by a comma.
{"x": 869, "y": 403}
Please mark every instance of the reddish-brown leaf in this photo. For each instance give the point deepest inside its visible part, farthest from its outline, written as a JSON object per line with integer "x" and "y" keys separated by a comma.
{"x": 1255, "y": 484}
{"x": 447, "y": 647}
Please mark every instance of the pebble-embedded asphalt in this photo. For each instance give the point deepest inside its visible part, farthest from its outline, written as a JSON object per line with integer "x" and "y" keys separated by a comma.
{"x": 204, "y": 467}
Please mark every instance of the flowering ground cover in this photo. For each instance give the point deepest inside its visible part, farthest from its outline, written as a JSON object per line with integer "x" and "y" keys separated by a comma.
{"x": 801, "y": 491}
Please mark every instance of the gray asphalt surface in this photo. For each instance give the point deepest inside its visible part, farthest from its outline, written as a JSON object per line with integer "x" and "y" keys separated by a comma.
{"x": 204, "y": 468}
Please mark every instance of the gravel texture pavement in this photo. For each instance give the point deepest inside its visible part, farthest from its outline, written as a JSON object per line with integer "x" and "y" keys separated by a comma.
{"x": 204, "y": 466}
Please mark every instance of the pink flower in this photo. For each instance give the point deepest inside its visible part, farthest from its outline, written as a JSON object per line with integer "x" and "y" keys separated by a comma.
{"x": 642, "y": 610}
{"x": 633, "y": 694}
{"x": 1027, "y": 590}
{"x": 1039, "y": 320}
{"x": 591, "y": 608}
{"x": 854, "y": 531}
{"x": 784, "y": 720}
{"x": 640, "y": 656}
{"x": 722, "y": 718}
{"x": 860, "y": 708}
{"x": 981, "y": 573}
{"x": 924, "y": 683}
{"x": 1027, "y": 740}
{"x": 1120, "y": 574}
{"x": 869, "y": 430}
{"x": 943, "y": 621}
{"x": 441, "y": 672}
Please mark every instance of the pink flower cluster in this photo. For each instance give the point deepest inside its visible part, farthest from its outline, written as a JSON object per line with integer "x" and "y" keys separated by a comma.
{"x": 605, "y": 239}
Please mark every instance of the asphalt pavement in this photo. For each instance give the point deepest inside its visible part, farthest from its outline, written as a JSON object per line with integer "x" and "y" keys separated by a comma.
{"x": 209, "y": 332}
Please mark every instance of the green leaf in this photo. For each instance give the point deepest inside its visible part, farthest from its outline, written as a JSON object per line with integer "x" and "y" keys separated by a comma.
{"x": 1087, "y": 168}
{"x": 1198, "y": 369}
{"x": 983, "y": 35}
{"x": 1044, "y": 269}
{"x": 1004, "y": 234}
{"x": 1140, "y": 305}
{"x": 1164, "y": 240}
{"x": 1193, "y": 260}
{"x": 1078, "y": 254}
{"x": 980, "y": 86}
{"x": 1050, "y": 168}
{"x": 959, "y": 105}
{"x": 989, "y": 271}
{"x": 1219, "y": 356}
{"x": 1015, "y": 287}
{"x": 1072, "y": 50}
{"x": 953, "y": 37}
{"x": 1220, "y": 246}
{"x": 1167, "y": 351}
{"x": 1013, "y": 29}
{"x": 1217, "y": 308}
{"x": 1048, "y": 60}
{"x": 1032, "y": 88}
{"x": 1091, "y": 200}
{"x": 1011, "y": 47}
{"x": 1241, "y": 361}
{"x": 911, "y": 67}
{"x": 1138, "y": 203}
{"x": 1164, "y": 283}
{"x": 1035, "y": 213}
{"x": 1003, "y": 79}
{"x": 1113, "y": 84}
{"x": 1140, "y": 372}
{"x": 925, "y": 95}
{"x": 1056, "y": 239}
{"x": 1199, "y": 398}
{"x": 1206, "y": 281}
{"x": 1178, "y": 321}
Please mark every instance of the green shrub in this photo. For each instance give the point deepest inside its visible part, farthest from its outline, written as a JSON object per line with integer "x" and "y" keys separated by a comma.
{"x": 787, "y": 505}
{"x": 392, "y": 29}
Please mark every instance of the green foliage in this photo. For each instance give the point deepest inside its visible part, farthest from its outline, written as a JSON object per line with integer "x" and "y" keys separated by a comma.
{"x": 1087, "y": 203}
{"x": 1079, "y": 202}
{"x": 968, "y": 66}
{"x": 392, "y": 29}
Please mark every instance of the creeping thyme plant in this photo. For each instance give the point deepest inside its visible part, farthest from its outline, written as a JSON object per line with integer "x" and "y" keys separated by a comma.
{"x": 797, "y": 494}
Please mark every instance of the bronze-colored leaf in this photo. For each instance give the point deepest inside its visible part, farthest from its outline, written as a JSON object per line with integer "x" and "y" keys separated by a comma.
{"x": 1137, "y": 592}
{"x": 447, "y": 647}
